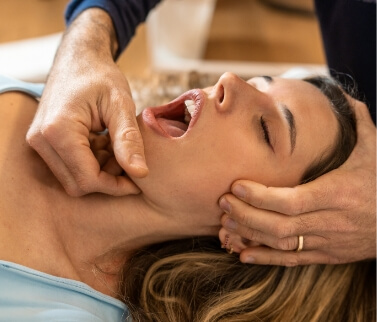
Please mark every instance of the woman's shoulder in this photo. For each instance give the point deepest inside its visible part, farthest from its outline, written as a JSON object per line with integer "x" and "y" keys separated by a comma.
{"x": 28, "y": 192}
{"x": 30, "y": 295}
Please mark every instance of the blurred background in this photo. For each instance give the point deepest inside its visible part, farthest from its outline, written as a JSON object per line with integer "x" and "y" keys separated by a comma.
{"x": 244, "y": 36}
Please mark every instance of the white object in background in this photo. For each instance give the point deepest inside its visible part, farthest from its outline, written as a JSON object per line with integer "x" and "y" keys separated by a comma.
{"x": 180, "y": 27}
{"x": 30, "y": 59}
{"x": 301, "y": 72}
{"x": 241, "y": 68}
{"x": 177, "y": 32}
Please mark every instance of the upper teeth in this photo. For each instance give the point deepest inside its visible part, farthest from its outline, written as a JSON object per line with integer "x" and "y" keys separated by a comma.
{"x": 190, "y": 104}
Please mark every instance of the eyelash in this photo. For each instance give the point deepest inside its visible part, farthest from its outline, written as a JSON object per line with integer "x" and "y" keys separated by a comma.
{"x": 265, "y": 130}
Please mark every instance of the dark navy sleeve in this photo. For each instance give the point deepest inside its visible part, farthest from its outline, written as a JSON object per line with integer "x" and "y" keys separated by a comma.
{"x": 349, "y": 36}
{"x": 126, "y": 15}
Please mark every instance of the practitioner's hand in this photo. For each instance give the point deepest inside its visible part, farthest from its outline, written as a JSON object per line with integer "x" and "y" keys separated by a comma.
{"x": 86, "y": 92}
{"x": 335, "y": 214}
{"x": 101, "y": 146}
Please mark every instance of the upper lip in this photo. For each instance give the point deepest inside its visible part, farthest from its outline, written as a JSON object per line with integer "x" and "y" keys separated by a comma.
{"x": 175, "y": 110}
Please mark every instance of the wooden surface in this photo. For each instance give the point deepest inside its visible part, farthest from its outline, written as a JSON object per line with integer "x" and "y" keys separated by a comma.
{"x": 241, "y": 30}
{"x": 253, "y": 30}
{"x": 20, "y": 19}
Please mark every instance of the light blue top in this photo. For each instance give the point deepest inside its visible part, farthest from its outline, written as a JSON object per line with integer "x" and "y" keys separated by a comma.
{"x": 27, "y": 295}
{"x": 10, "y": 84}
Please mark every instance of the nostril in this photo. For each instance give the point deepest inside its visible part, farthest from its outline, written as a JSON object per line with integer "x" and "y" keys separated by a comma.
{"x": 221, "y": 93}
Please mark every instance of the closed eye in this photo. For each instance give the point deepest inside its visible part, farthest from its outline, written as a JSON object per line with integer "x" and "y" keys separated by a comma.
{"x": 266, "y": 132}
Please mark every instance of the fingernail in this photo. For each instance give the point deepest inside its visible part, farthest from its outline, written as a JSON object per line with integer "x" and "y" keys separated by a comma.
{"x": 230, "y": 224}
{"x": 225, "y": 205}
{"x": 138, "y": 161}
{"x": 250, "y": 259}
{"x": 239, "y": 191}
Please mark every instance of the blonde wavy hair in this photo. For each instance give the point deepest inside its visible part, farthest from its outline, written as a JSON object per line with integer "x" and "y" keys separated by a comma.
{"x": 193, "y": 280}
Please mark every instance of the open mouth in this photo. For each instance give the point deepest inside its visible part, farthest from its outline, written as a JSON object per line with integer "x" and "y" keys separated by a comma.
{"x": 176, "y": 122}
{"x": 176, "y": 118}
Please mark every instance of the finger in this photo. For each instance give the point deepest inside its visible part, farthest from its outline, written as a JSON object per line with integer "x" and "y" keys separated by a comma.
{"x": 98, "y": 142}
{"x": 109, "y": 148}
{"x": 85, "y": 169}
{"x": 127, "y": 140}
{"x": 269, "y": 256}
{"x": 102, "y": 157}
{"x": 290, "y": 201}
{"x": 115, "y": 185}
{"x": 231, "y": 241}
{"x": 54, "y": 162}
{"x": 365, "y": 148}
{"x": 366, "y": 129}
{"x": 89, "y": 177}
{"x": 360, "y": 108}
{"x": 78, "y": 173}
{"x": 243, "y": 215}
{"x": 252, "y": 237}
{"x": 112, "y": 167}
{"x": 362, "y": 113}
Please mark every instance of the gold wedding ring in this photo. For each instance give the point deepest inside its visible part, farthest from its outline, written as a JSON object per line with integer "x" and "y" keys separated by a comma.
{"x": 300, "y": 243}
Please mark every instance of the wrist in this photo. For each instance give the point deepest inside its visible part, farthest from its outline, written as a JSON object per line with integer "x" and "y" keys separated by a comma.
{"x": 92, "y": 33}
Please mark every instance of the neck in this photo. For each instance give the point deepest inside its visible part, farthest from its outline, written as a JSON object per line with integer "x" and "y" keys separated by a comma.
{"x": 129, "y": 223}
{"x": 156, "y": 224}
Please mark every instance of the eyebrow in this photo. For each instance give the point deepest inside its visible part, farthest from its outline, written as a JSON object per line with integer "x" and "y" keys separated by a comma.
{"x": 292, "y": 125}
{"x": 288, "y": 116}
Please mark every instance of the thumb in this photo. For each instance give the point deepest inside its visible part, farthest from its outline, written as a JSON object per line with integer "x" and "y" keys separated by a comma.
{"x": 127, "y": 141}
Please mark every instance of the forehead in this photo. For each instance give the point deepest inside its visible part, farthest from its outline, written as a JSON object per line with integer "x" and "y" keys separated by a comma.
{"x": 296, "y": 87}
{"x": 315, "y": 121}
{"x": 306, "y": 102}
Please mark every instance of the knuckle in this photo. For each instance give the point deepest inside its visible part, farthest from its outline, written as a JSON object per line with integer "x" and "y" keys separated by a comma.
{"x": 80, "y": 187}
{"x": 250, "y": 234}
{"x": 304, "y": 261}
{"x": 74, "y": 192}
{"x": 283, "y": 230}
{"x": 130, "y": 134}
{"x": 48, "y": 129}
{"x": 33, "y": 138}
{"x": 291, "y": 262}
{"x": 257, "y": 201}
{"x": 302, "y": 224}
{"x": 245, "y": 219}
{"x": 296, "y": 205}
{"x": 83, "y": 188}
{"x": 334, "y": 260}
{"x": 286, "y": 244}
{"x": 49, "y": 132}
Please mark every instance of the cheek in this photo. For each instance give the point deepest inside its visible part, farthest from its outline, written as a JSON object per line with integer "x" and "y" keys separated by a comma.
{"x": 197, "y": 170}
{"x": 225, "y": 155}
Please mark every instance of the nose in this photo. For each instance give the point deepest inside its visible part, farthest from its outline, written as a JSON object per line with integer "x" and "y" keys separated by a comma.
{"x": 231, "y": 90}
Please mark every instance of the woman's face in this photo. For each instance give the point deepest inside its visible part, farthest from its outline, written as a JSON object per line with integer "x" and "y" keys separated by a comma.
{"x": 266, "y": 130}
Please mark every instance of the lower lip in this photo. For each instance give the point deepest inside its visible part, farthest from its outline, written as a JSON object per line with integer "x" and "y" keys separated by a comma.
{"x": 149, "y": 117}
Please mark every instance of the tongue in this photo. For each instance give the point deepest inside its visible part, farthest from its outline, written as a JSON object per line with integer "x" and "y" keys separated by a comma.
{"x": 173, "y": 127}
